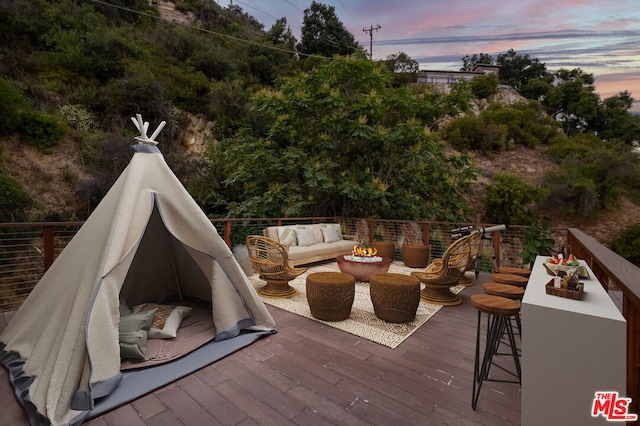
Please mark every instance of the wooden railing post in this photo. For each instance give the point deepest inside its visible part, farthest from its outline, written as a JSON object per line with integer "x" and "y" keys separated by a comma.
{"x": 227, "y": 233}
{"x": 425, "y": 233}
{"x": 48, "y": 234}
{"x": 497, "y": 242}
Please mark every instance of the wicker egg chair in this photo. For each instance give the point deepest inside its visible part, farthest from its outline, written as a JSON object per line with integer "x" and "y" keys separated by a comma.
{"x": 442, "y": 274}
{"x": 475, "y": 243}
{"x": 270, "y": 260}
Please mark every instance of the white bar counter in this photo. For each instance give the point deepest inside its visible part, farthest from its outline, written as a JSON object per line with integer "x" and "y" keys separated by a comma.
{"x": 570, "y": 349}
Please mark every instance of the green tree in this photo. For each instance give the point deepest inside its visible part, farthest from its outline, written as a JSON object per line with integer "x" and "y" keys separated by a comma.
{"x": 517, "y": 70}
{"x": 342, "y": 141}
{"x": 280, "y": 34}
{"x": 616, "y": 122}
{"x": 469, "y": 62}
{"x": 324, "y": 34}
{"x": 403, "y": 68}
{"x": 573, "y": 101}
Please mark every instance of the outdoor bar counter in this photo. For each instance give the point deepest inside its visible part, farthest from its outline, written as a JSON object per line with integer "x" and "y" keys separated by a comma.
{"x": 571, "y": 349}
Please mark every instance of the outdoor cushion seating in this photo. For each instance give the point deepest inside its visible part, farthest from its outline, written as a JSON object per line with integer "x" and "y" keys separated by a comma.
{"x": 310, "y": 243}
{"x": 269, "y": 259}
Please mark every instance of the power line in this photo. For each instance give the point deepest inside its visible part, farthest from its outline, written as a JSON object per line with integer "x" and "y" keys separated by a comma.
{"x": 241, "y": 40}
{"x": 257, "y": 10}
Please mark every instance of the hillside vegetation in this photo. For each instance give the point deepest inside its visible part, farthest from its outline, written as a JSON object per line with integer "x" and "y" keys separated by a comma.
{"x": 256, "y": 131}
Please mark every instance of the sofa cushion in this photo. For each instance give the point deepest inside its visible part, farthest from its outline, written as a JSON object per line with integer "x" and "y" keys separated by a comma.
{"x": 327, "y": 249}
{"x": 306, "y": 237}
{"x": 287, "y": 236}
{"x": 331, "y": 233}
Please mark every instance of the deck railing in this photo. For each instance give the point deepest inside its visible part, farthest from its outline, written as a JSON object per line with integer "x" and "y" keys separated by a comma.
{"x": 28, "y": 249}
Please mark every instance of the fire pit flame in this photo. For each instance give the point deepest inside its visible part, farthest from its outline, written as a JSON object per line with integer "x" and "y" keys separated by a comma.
{"x": 364, "y": 251}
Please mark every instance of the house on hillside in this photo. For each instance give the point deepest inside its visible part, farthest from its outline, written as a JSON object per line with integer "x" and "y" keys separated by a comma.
{"x": 451, "y": 77}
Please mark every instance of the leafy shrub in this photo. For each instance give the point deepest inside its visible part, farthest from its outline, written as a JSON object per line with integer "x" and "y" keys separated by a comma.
{"x": 525, "y": 124}
{"x": 508, "y": 198}
{"x": 42, "y": 130}
{"x": 239, "y": 234}
{"x": 465, "y": 133}
{"x": 11, "y": 99}
{"x": 484, "y": 86}
{"x": 570, "y": 193}
{"x": 592, "y": 174}
{"x": 13, "y": 200}
{"x": 79, "y": 117}
{"x": 627, "y": 244}
{"x": 499, "y": 126}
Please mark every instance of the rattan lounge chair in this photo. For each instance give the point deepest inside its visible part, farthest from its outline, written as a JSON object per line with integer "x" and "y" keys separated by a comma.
{"x": 475, "y": 243}
{"x": 442, "y": 274}
{"x": 269, "y": 259}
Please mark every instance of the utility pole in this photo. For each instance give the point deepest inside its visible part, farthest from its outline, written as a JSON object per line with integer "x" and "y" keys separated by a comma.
{"x": 370, "y": 31}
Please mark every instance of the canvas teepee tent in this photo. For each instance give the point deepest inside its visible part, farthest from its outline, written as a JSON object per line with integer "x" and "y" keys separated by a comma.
{"x": 146, "y": 241}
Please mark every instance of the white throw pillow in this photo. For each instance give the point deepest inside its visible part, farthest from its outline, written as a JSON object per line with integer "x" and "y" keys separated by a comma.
{"x": 331, "y": 233}
{"x": 166, "y": 320}
{"x": 306, "y": 236}
{"x": 317, "y": 231}
{"x": 287, "y": 236}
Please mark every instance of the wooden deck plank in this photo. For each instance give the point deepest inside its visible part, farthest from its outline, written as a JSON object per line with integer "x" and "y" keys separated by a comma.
{"x": 312, "y": 374}
{"x": 185, "y": 408}
{"x": 217, "y": 405}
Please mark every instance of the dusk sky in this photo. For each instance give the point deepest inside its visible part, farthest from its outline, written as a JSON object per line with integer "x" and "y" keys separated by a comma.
{"x": 601, "y": 37}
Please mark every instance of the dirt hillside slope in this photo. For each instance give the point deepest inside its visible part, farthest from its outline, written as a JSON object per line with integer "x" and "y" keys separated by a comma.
{"x": 55, "y": 179}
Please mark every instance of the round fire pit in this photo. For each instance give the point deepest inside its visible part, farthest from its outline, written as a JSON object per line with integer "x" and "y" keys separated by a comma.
{"x": 361, "y": 271}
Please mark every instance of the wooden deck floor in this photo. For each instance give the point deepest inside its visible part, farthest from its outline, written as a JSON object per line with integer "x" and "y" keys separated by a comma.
{"x": 312, "y": 374}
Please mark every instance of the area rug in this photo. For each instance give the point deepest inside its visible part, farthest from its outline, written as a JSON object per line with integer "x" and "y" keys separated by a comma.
{"x": 362, "y": 322}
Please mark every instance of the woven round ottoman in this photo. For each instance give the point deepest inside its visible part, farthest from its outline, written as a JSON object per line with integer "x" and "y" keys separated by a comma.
{"x": 415, "y": 255}
{"x": 395, "y": 297}
{"x": 330, "y": 295}
{"x": 385, "y": 248}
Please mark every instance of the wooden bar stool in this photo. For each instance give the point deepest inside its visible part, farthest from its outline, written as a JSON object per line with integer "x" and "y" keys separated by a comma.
{"x": 500, "y": 310}
{"x": 514, "y": 271}
{"x": 510, "y": 292}
{"x": 517, "y": 280}
{"x": 505, "y": 290}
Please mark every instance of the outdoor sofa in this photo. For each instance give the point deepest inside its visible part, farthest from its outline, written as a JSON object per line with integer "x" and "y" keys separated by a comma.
{"x": 311, "y": 243}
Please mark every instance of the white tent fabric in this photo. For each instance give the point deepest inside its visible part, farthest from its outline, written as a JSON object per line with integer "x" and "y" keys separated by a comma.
{"x": 147, "y": 240}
